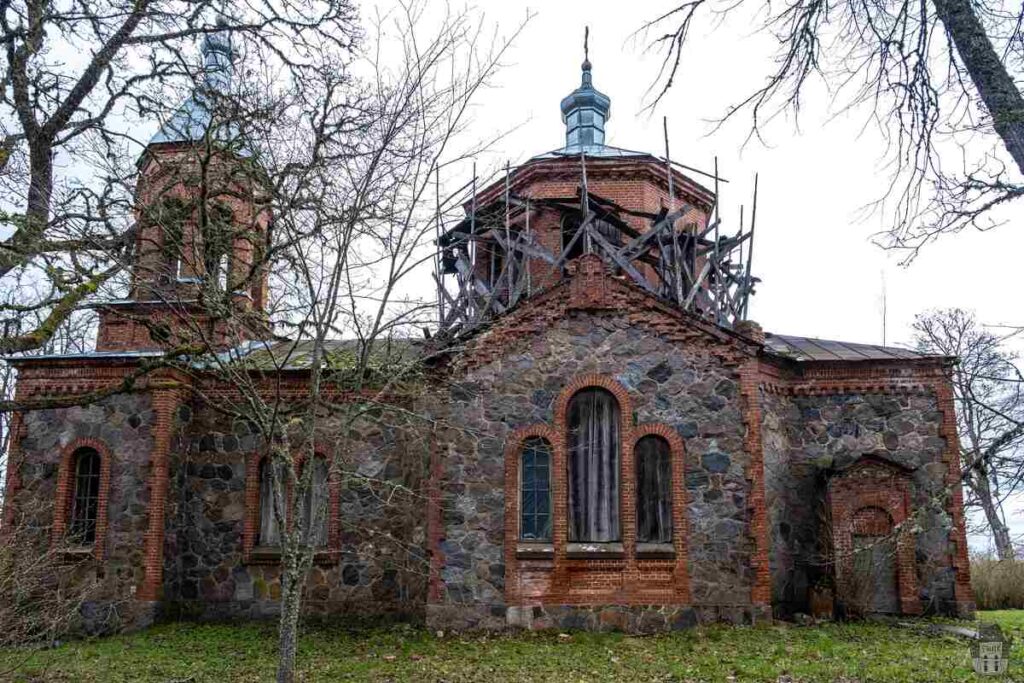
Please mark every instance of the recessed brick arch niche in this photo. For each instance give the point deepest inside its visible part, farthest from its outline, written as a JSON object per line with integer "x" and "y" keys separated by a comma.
{"x": 872, "y": 542}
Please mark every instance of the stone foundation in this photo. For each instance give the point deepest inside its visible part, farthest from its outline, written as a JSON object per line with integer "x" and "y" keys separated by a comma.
{"x": 625, "y": 618}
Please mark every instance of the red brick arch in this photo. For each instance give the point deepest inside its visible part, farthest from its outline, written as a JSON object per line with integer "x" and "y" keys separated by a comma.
{"x": 250, "y": 524}
{"x": 555, "y": 579}
{"x": 66, "y": 490}
{"x": 873, "y": 496}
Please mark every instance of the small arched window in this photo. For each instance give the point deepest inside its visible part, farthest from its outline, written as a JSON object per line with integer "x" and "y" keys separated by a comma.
{"x": 593, "y": 466}
{"x": 570, "y": 226}
{"x": 314, "y": 508}
{"x": 85, "y": 501}
{"x": 269, "y": 530}
{"x": 535, "y": 490}
{"x": 653, "y": 490}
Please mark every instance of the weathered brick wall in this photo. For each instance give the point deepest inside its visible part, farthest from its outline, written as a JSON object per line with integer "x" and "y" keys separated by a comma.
{"x": 378, "y": 565}
{"x": 123, "y": 425}
{"x": 808, "y": 436}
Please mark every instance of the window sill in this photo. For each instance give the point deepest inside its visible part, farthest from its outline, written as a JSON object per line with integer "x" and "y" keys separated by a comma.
{"x": 607, "y": 551}
{"x": 655, "y": 550}
{"x": 272, "y": 555}
{"x": 79, "y": 554}
{"x": 535, "y": 551}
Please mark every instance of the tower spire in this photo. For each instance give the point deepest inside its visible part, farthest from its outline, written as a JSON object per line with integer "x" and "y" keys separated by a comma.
{"x": 585, "y": 110}
{"x": 194, "y": 117}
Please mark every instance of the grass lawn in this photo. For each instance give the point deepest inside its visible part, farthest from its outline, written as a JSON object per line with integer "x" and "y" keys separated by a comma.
{"x": 834, "y": 652}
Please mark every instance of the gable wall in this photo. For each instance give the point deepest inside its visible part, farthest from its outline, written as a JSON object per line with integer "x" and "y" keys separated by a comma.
{"x": 694, "y": 388}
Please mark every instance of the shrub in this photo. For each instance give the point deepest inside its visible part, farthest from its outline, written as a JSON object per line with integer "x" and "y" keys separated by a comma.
{"x": 998, "y": 584}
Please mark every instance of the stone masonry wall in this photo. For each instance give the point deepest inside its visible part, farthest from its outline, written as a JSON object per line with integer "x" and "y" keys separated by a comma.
{"x": 684, "y": 387}
{"x": 377, "y": 568}
{"x": 123, "y": 424}
{"x": 813, "y": 435}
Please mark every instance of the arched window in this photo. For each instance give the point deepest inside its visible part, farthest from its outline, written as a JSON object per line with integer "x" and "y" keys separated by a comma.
{"x": 269, "y": 531}
{"x": 85, "y": 501}
{"x": 593, "y": 466}
{"x": 315, "y": 503}
{"x": 535, "y": 490}
{"x": 653, "y": 490}
{"x": 570, "y": 226}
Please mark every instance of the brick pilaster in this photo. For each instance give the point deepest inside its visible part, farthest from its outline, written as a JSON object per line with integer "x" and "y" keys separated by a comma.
{"x": 435, "y": 524}
{"x": 761, "y": 590}
{"x": 165, "y": 402}
{"x": 962, "y": 592}
{"x": 13, "y": 471}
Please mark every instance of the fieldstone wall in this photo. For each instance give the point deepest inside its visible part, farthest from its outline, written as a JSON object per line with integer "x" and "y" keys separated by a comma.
{"x": 810, "y": 437}
{"x": 379, "y": 569}
{"x": 124, "y": 425}
{"x": 684, "y": 386}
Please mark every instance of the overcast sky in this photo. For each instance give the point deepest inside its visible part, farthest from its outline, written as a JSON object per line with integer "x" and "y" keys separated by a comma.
{"x": 822, "y": 275}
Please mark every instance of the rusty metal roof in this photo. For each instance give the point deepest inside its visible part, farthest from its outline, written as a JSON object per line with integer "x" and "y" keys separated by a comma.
{"x": 811, "y": 349}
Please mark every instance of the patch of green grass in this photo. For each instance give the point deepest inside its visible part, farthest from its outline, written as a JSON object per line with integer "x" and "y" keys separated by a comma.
{"x": 246, "y": 652}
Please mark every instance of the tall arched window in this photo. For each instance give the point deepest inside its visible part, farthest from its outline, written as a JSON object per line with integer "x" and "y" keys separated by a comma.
{"x": 653, "y": 490}
{"x": 315, "y": 503}
{"x": 593, "y": 466}
{"x": 85, "y": 501}
{"x": 535, "y": 490}
{"x": 269, "y": 531}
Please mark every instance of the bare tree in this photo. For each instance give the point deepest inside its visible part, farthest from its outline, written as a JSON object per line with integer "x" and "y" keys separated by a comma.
{"x": 933, "y": 74}
{"x": 989, "y": 394}
{"x": 78, "y": 80}
{"x": 347, "y": 167}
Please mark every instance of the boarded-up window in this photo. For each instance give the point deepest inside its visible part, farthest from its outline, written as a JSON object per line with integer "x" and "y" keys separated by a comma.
{"x": 653, "y": 490}
{"x": 535, "y": 491}
{"x": 315, "y": 504}
{"x": 593, "y": 467}
{"x": 270, "y": 533}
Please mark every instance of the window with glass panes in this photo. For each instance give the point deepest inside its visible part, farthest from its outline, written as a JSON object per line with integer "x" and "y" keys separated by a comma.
{"x": 535, "y": 491}
{"x": 86, "y": 501}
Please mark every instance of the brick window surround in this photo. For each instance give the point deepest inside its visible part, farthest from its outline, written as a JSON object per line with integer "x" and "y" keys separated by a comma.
{"x": 547, "y": 573}
{"x": 871, "y": 498}
{"x": 66, "y": 493}
{"x": 254, "y": 554}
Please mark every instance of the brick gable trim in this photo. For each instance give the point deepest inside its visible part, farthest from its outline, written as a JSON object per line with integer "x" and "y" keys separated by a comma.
{"x": 592, "y": 289}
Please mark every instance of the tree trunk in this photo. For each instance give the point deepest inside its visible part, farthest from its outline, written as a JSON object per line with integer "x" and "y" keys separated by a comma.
{"x": 291, "y": 603}
{"x": 995, "y": 85}
{"x": 1000, "y": 533}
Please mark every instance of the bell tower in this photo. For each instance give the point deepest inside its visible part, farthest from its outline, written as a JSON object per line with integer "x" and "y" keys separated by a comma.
{"x": 201, "y": 227}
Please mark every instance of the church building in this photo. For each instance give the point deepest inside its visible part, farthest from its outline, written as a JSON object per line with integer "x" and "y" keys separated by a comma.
{"x": 617, "y": 445}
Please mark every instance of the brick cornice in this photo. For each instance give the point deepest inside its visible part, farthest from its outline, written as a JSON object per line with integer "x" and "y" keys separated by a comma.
{"x": 640, "y": 168}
